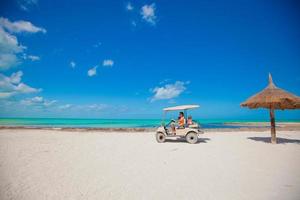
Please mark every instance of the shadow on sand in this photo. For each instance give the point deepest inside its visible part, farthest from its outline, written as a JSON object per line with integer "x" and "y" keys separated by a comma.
{"x": 182, "y": 140}
{"x": 279, "y": 140}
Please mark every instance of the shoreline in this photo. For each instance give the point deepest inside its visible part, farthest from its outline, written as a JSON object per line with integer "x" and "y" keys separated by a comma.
{"x": 238, "y": 126}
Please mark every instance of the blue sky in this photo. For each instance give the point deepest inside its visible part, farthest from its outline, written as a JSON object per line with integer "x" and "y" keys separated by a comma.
{"x": 129, "y": 59}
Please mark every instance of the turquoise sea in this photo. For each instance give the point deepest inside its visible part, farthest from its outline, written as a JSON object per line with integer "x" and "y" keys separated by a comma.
{"x": 112, "y": 123}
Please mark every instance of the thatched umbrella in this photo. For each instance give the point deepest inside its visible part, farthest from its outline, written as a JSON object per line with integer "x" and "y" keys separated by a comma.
{"x": 273, "y": 98}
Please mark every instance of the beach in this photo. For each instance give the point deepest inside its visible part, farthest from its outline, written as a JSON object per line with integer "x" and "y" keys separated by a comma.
{"x": 149, "y": 100}
{"x": 69, "y": 164}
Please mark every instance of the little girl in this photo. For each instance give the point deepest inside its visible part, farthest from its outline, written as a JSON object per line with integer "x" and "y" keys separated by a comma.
{"x": 190, "y": 120}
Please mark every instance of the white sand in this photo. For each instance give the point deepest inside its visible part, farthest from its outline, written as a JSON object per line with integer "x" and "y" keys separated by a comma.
{"x": 44, "y": 164}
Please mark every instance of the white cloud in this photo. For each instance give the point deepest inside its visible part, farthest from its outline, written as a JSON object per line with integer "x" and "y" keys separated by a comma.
{"x": 26, "y": 5}
{"x": 7, "y": 61}
{"x": 165, "y": 81}
{"x": 41, "y": 107}
{"x": 133, "y": 23}
{"x": 49, "y": 103}
{"x": 31, "y": 57}
{"x": 129, "y": 6}
{"x": 72, "y": 64}
{"x": 97, "y": 45}
{"x": 15, "y": 78}
{"x": 37, "y": 101}
{"x": 66, "y": 106}
{"x": 11, "y": 86}
{"x": 20, "y": 26}
{"x": 96, "y": 107}
{"x": 9, "y": 43}
{"x": 23, "y": 88}
{"x": 10, "y": 49}
{"x": 5, "y": 95}
{"x": 148, "y": 13}
{"x": 31, "y": 101}
{"x": 93, "y": 71}
{"x": 84, "y": 108}
{"x": 169, "y": 91}
{"x": 108, "y": 63}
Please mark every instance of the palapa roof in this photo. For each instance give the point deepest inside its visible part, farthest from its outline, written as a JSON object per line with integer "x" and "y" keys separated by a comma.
{"x": 182, "y": 107}
{"x": 273, "y": 97}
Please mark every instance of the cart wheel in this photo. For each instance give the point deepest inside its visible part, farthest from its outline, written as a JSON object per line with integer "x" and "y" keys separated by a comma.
{"x": 191, "y": 137}
{"x": 160, "y": 137}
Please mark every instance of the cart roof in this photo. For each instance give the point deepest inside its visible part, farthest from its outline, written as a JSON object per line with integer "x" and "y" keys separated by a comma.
{"x": 182, "y": 107}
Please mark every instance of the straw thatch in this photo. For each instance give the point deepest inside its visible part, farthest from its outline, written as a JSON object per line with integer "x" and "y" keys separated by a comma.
{"x": 273, "y": 98}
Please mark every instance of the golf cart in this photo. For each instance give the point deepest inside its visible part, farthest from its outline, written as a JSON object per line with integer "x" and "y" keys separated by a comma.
{"x": 189, "y": 132}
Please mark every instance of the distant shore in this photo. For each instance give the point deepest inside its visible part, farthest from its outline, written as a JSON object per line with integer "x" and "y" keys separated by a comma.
{"x": 232, "y": 127}
{"x": 135, "y": 125}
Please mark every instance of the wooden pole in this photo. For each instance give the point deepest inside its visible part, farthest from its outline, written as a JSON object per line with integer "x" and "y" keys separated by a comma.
{"x": 273, "y": 130}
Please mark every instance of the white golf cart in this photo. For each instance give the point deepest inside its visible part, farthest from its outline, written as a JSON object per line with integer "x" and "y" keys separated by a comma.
{"x": 189, "y": 132}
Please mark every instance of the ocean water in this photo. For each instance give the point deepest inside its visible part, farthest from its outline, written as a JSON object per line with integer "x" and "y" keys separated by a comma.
{"x": 112, "y": 123}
